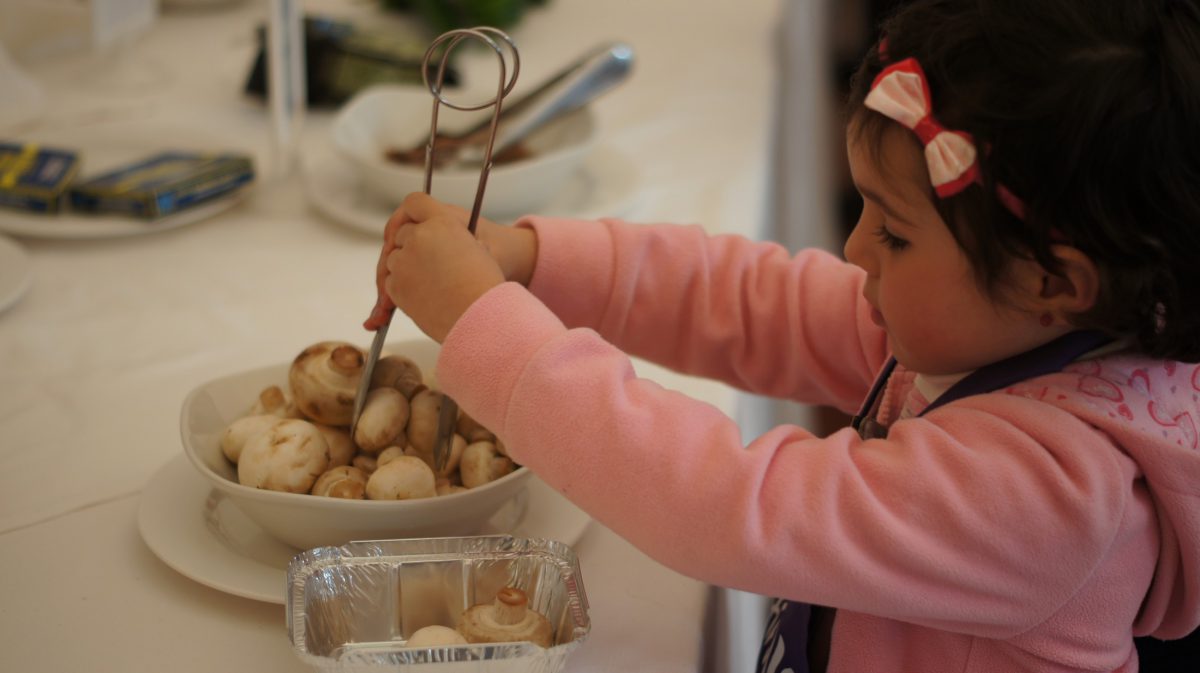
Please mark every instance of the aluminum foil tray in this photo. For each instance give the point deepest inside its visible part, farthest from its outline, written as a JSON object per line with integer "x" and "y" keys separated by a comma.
{"x": 352, "y": 608}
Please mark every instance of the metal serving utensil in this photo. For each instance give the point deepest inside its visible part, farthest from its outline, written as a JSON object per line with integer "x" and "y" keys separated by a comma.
{"x": 493, "y": 38}
{"x": 583, "y": 80}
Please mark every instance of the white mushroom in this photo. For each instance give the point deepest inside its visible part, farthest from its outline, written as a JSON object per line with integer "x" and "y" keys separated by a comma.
{"x": 384, "y": 415}
{"x": 399, "y": 372}
{"x": 272, "y": 401}
{"x": 446, "y": 487}
{"x": 508, "y": 619}
{"x": 388, "y": 455}
{"x": 403, "y": 478}
{"x": 341, "y": 447}
{"x": 423, "y": 420}
{"x": 345, "y": 481}
{"x": 366, "y": 463}
{"x": 324, "y": 381}
{"x": 287, "y": 457}
{"x": 471, "y": 430}
{"x": 435, "y": 636}
{"x": 234, "y": 438}
{"x": 481, "y": 464}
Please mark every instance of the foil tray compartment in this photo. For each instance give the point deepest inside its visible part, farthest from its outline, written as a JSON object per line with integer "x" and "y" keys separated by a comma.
{"x": 351, "y": 609}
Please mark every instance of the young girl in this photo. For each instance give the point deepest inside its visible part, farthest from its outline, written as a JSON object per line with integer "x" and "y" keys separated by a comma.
{"x": 1016, "y": 326}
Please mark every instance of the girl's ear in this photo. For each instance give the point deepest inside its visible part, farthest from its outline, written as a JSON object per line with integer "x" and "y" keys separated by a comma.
{"x": 1074, "y": 289}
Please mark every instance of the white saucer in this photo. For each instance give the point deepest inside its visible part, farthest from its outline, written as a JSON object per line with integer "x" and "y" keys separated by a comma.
{"x": 202, "y": 535}
{"x": 79, "y": 226}
{"x": 15, "y": 273}
{"x": 106, "y": 144}
{"x": 605, "y": 187}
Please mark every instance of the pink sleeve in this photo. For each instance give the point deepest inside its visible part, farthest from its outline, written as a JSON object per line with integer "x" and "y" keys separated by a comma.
{"x": 722, "y": 307}
{"x": 836, "y": 521}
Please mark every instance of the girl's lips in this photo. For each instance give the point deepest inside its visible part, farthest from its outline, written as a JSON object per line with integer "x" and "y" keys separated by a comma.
{"x": 877, "y": 317}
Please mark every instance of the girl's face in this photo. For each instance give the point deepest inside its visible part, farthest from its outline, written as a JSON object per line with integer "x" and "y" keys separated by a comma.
{"x": 920, "y": 283}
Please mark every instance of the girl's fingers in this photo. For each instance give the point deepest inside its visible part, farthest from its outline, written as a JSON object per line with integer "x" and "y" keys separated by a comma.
{"x": 381, "y": 313}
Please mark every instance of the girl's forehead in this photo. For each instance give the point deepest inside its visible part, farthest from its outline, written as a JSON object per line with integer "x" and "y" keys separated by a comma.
{"x": 890, "y": 161}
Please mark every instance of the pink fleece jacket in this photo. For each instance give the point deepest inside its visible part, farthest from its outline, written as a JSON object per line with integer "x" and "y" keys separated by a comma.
{"x": 1032, "y": 529}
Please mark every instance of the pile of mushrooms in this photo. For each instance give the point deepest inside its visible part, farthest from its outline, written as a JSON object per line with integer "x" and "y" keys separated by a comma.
{"x": 508, "y": 619}
{"x": 302, "y": 444}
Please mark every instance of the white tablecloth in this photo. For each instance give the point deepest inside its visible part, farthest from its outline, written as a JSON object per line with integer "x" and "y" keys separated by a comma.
{"x": 97, "y": 357}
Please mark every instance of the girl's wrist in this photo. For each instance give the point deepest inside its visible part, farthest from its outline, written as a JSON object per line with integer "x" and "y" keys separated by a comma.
{"x": 523, "y": 255}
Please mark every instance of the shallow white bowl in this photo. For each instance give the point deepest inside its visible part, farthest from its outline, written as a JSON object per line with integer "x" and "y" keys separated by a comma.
{"x": 386, "y": 117}
{"x": 307, "y": 521}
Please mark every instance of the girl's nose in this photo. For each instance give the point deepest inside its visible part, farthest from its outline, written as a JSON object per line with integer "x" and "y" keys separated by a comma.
{"x": 857, "y": 250}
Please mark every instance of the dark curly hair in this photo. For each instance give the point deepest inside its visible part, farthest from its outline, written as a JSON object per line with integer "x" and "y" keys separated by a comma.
{"x": 1090, "y": 113}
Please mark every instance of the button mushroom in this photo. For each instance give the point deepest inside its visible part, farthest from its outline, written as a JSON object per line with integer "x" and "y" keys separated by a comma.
{"x": 402, "y": 478}
{"x": 341, "y": 447}
{"x": 471, "y": 430}
{"x": 384, "y": 415}
{"x": 365, "y": 462}
{"x": 272, "y": 401}
{"x": 235, "y": 436}
{"x": 345, "y": 481}
{"x": 506, "y": 620}
{"x": 447, "y": 487}
{"x": 324, "y": 381}
{"x": 287, "y": 457}
{"x": 388, "y": 455}
{"x": 399, "y": 372}
{"x": 423, "y": 420}
{"x": 482, "y": 464}
{"x": 435, "y": 636}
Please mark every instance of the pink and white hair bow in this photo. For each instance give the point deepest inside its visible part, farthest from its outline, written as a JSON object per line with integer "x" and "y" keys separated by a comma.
{"x": 901, "y": 92}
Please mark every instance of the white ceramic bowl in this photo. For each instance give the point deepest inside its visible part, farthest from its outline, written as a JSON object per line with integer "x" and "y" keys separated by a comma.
{"x": 308, "y": 521}
{"x": 386, "y": 117}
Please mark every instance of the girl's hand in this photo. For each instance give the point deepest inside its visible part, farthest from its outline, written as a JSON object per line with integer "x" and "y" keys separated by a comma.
{"x": 433, "y": 269}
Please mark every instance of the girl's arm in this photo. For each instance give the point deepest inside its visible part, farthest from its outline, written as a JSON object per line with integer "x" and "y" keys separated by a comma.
{"x": 938, "y": 526}
{"x": 723, "y": 307}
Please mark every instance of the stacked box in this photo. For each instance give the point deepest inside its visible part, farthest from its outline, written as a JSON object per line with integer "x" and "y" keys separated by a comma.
{"x": 163, "y": 184}
{"x": 35, "y": 178}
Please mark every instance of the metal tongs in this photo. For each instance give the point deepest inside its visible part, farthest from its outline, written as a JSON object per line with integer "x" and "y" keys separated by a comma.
{"x": 493, "y": 38}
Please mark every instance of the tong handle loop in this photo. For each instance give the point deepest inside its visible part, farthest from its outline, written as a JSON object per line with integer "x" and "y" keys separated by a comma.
{"x": 507, "y": 80}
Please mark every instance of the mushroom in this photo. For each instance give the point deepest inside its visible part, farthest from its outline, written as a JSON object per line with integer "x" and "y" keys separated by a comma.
{"x": 345, "y": 481}
{"x": 341, "y": 447}
{"x": 457, "y": 446}
{"x": 388, "y": 455}
{"x": 423, "y": 420}
{"x": 403, "y": 478}
{"x": 481, "y": 464}
{"x": 365, "y": 462}
{"x": 383, "y": 418}
{"x": 472, "y": 431}
{"x": 506, "y": 620}
{"x": 447, "y": 487}
{"x": 435, "y": 636}
{"x": 287, "y": 457}
{"x": 272, "y": 401}
{"x": 399, "y": 372}
{"x": 242, "y": 430}
{"x": 324, "y": 381}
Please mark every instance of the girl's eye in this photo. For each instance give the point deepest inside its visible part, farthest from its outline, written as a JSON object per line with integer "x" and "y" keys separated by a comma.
{"x": 892, "y": 241}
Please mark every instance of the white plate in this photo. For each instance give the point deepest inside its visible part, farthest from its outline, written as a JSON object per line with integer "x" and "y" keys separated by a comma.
{"x": 15, "y": 273}
{"x": 201, "y": 534}
{"x": 106, "y": 144}
{"x": 605, "y": 187}
{"x": 78, "y": 226}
